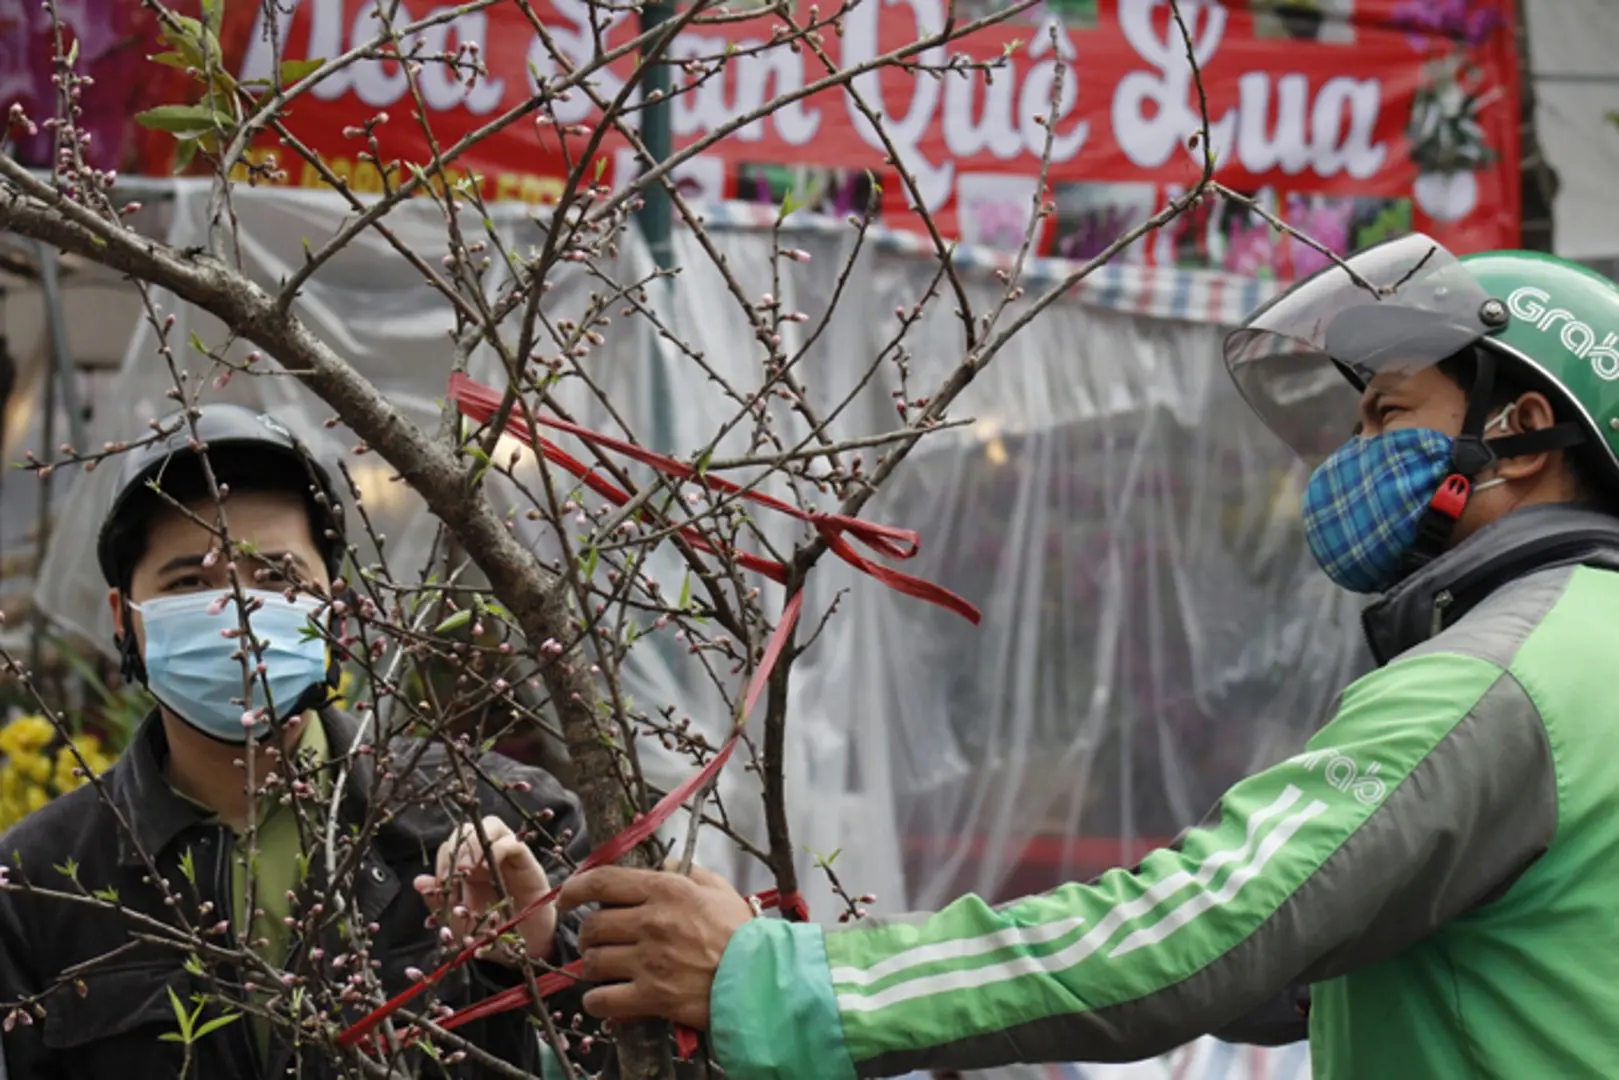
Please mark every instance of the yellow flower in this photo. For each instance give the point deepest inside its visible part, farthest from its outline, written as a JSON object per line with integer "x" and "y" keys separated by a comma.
{"x": 24, "y": 735}
{"x": 12, "y": 784}
{"x": 31, "y": 776}
{"x": 66, "y": 763}
{"x": 38, "y": 768}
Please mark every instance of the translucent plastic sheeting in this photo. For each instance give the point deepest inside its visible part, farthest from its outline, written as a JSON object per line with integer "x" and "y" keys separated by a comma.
{"x": 1154, "y": 627}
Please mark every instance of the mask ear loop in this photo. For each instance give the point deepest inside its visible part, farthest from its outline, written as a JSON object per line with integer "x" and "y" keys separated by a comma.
{"x": 131, "y": 664}
{"x": 1503, "y": 421}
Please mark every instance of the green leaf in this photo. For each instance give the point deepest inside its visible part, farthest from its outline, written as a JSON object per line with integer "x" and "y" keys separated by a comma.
{"x": 109, "y": 894}
{"x": 73, "y": 53}
{"x": 211, "y": 10}
{"x": 180, "y": 1015}
{"x": 170, "y": 59}
{"x": 592, "y": 557}
{"x": 601, "y": 167}
{"x": 69, "y": 869}
{"x": 196, "y": 343}
{"x": 791, "y": 202}
{"x": 193, "y": 964}
{"x": 216, "y": 1023}
{"x": 702, "y": 462}
{"x": 170, "y": 1036}
{"x": 183, "y": 155}
{"x": 454, "y": 622}
{"x": 188, "y": 121}
{"x": 685, "y": 591}
{"x": 188, "y": 867}
{"x": 477, "y": 454}
{"x": 500, "y": 609}
{"x": 296, "y": 70}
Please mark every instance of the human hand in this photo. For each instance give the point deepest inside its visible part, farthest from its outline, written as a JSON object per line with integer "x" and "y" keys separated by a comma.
{"x": 657, "y": 940}
{"x": 463, "y": 881}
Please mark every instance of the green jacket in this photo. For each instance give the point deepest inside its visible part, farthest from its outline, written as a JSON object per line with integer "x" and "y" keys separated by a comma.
{"x": 1441, "y": 864}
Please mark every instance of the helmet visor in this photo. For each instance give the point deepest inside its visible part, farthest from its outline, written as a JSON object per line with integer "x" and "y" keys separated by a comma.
{"x": 1303, "y": 360}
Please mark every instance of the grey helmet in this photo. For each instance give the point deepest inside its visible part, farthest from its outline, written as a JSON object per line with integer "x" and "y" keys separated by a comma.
{"x": 223, "y": 429}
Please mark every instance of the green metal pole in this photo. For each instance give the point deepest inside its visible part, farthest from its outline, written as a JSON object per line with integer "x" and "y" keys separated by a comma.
{"x": 657, "y": 217}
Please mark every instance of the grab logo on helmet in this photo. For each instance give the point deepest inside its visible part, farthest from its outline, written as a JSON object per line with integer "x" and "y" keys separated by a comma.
{"x": 1534, "y": 306}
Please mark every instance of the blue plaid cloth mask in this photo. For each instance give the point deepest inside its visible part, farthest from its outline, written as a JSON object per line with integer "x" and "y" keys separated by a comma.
{"x": 1364, "y": 503}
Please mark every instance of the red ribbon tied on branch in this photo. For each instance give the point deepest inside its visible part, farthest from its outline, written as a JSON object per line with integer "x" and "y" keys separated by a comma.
{"x": 481, "y": 403}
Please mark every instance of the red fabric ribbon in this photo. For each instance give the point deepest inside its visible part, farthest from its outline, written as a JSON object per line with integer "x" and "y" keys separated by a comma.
{"x": 480, "y": 403}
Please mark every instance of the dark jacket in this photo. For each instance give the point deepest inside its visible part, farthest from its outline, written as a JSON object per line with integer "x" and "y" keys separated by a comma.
{"x": 106, "y": 1002}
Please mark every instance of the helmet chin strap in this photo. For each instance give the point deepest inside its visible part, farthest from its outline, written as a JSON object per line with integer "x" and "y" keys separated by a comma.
{"x": 1470, "y": 455}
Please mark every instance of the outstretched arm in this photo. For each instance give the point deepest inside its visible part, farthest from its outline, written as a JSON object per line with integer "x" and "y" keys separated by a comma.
{"x": 1431, "y": 788}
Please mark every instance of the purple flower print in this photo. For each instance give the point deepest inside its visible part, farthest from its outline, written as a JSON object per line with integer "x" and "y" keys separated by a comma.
{"x": 1460, "y": 20}
{"x": 1250, "y": 251}
{"x": 1324, "y": 220}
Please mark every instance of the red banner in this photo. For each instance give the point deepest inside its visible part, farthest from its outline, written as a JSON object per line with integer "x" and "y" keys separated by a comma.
{"x": 1352, "y": 119}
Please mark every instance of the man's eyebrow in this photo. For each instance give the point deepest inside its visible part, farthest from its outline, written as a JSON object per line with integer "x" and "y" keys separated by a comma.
{"x": 181, "y": 562}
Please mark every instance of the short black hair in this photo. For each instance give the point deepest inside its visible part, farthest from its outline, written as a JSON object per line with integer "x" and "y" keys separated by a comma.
{"x": 1587, "y": 469}
{"x": 242, "y": 469}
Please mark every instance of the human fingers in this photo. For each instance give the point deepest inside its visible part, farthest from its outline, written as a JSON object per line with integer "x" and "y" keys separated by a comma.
{"x": 519, "y": 867}
{"x": 608, "y": 963}
{"x": 616, "y": 886}
{"x": 610, "y": 926}
{"x": 470, "y": 857}
{"x": 643, "y": 998}
{"x": 618, "y": 1001}
{"x": 428, "y": 886}
{"x": 459, "y": 851}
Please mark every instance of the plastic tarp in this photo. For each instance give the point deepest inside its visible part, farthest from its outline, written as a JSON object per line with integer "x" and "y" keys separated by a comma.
{"x": 1154, "y": 627}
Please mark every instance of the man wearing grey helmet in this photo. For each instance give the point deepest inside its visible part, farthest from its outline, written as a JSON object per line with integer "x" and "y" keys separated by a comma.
{"x": 224, "y": 792}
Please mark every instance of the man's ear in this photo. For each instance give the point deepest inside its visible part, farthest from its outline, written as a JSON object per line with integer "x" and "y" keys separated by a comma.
{"x": 115, "y": 601}
{"x": 1534, "y": 412}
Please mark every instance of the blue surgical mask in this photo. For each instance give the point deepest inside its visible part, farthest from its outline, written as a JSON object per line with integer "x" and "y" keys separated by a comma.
{"x": 190, "y": 667}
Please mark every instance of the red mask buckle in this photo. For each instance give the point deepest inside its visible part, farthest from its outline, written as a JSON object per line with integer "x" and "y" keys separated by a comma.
{"x": 1451, "y": 498}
